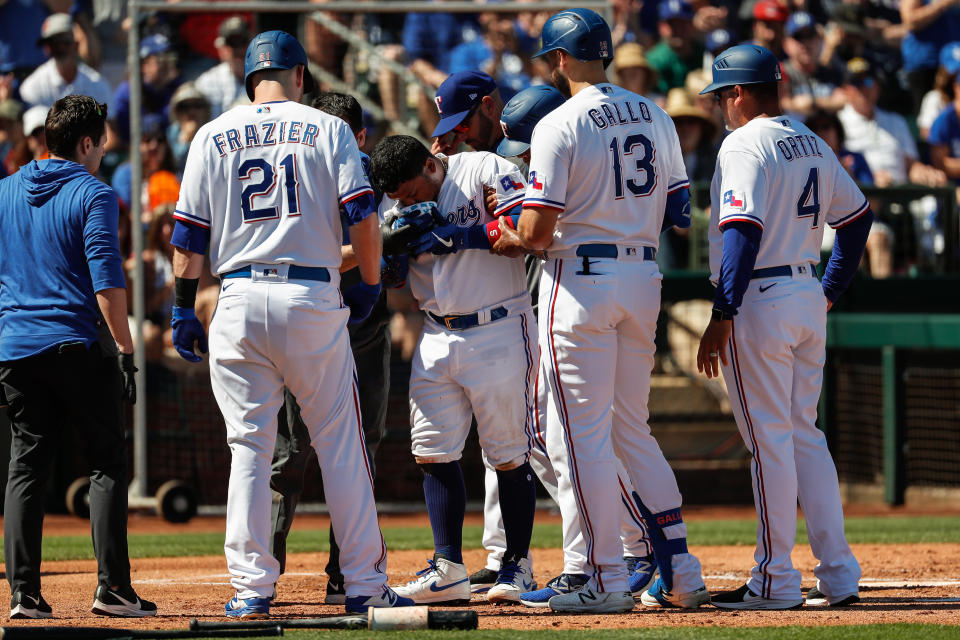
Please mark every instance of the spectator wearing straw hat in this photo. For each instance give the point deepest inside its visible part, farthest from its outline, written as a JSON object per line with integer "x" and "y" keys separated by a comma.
{"x": 634, "y": 71}
{"x": 223, "y": 84}
{"x": 63, "y": 73}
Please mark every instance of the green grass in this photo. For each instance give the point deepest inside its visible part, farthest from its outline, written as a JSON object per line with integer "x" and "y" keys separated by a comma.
{"x": 864, "y": 632}
{"x": 881, "y": 530}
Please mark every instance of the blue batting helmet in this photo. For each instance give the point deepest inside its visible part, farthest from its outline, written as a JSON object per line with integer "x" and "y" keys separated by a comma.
{"x": 743, "y": 64}
{"x": 275, "y": 50}
{"x": 522, "y": 114}
{"x": 582, "y": 33}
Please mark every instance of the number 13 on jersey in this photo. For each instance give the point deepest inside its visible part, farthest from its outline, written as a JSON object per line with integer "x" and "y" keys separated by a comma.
{"x": 640, "y": 149}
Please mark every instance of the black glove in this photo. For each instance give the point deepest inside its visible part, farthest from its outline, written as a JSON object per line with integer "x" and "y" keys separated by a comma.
{"x": 125, "y": 360}
{"x": 405, "y": 226}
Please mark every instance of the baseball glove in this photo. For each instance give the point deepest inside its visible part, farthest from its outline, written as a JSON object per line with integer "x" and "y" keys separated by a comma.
{"x": 400, "y": 228}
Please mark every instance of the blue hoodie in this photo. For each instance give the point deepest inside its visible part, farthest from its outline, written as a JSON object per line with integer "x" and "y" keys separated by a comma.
{"x": 58, "y": 247}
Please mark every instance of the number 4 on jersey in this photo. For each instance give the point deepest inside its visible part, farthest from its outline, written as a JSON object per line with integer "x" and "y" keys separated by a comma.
{"x": 809, "y": 203}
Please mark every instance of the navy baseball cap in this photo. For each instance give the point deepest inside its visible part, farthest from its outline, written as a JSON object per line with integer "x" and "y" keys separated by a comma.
{"x": 950, "y": 58}
{"x": 154, "y": 45}
{"x": 718, "y": 40}
{"x": 458, "y": 94}
{"x": 675, "y": 9}
{"x": 799, "y": 21}
{"x": 522, "y": 114}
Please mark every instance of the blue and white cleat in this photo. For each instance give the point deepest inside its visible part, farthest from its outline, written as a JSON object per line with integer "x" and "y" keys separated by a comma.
{"x": 640, "y": 573}
{"x": 442, "y": 581}
{"x": 385, "y": 599}
{"x": 658, "y": 596}
{"x": 515, "y": 578}
{"x": 563, "y": 583}
{"x": 248, "y": 609}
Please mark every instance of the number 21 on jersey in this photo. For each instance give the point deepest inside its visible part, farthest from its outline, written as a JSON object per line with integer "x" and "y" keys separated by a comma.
{"x": 264, "y": 188}
{"x": 640, "y": 149}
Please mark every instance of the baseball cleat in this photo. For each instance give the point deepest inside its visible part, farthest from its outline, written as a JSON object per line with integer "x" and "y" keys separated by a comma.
{"x": 336, "y": 594}
{"x": 640, "y": 573}
{"x": 27, "y": 606}
{"x": 248, "y": 609}
{"x": 817, "y": 598}
{"x": 514, "y": 579}
{"x": 744, "y": 598}
{"x": 563, "y": 583}
{"x": 658, "y": 596}
{"x": 385, "y": 599}
{"x": 122, "y": 603}
{"x": 586, "y": 600}
{"x": 481, "y": 581}
{"x": 442, "y": 581}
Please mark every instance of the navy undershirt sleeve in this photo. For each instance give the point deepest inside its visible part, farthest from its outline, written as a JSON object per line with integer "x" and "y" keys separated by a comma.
{"x": 741, "y": 243}
{"x": 677, "y": 213}
{"x": 190, "y": 237}
{"x": 845, "y": 259}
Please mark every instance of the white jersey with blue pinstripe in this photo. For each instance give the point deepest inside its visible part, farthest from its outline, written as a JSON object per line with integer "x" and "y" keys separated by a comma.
{"x": 778, "y": 175}
{"x": 268, "y": 180}
{"x": 602, "y": 159}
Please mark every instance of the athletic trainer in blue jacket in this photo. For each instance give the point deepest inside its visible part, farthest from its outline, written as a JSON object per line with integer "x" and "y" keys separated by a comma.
{"x": 60, "y": 269}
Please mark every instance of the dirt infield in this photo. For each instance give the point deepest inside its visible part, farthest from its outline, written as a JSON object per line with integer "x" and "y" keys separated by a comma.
{"x": 901, "y": 583}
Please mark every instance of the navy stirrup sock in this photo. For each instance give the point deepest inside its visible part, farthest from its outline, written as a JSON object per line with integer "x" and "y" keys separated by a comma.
{"x": 446, "y": 498}
{"x": 518, "y": 500}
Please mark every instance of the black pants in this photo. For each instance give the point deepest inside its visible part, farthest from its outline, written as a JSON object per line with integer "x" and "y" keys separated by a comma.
{"x": 73, "y": 386}
{"x": 293, "y": 450}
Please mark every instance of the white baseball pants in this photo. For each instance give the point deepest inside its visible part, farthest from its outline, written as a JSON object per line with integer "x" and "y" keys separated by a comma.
{"x": 267, "y": 333}
{"x": 596, "y": 338}
{"x": 774, "y": 374}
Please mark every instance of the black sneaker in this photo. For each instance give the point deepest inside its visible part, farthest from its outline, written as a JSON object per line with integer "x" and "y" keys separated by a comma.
{"x": 481, "y": 581}
{"x": 27, "y": 606}
{"x": 122, "y": 603}
{"x": 336, "y": 594}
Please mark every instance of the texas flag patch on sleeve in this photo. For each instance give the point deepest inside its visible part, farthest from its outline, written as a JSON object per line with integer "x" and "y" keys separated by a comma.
{"x": 733, "y": 200}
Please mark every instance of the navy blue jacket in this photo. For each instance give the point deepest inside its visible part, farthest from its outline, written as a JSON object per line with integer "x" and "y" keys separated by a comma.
{"x": 58, "y": 247}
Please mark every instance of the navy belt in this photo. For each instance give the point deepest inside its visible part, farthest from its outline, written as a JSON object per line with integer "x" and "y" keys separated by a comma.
{"x": 612, "y": 251}
{"x": 782, "y": 270}
{"x": 467, "y": 321}
{"x": 295, "y": 272}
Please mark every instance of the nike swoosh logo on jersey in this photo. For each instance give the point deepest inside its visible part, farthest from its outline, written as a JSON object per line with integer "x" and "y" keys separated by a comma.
{"x": 762, "y": 289}
{"x": 434, "y": 587}
{"x": 447, "y": 242}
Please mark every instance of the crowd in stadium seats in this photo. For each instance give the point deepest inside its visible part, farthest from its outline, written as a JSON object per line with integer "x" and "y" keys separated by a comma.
{"x": 878, "y": 79}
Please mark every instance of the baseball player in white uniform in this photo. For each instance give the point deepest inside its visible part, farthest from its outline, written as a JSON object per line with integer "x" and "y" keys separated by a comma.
{"x": 517, "y": 120}
{"x": 264, "y": 186}
{"x": 477, "y": 357}
{"x": 775, "y": 187}
{"x": 606, "y": 172}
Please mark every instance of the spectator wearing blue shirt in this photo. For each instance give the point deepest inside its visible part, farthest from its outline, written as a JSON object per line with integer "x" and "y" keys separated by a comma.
{"x": 930, "y": 25}
{"x": 160, "y": 80}
{"x": 945, "y": 133}
{"x": 496, "y": 53}
{"x": 59, "y": 270}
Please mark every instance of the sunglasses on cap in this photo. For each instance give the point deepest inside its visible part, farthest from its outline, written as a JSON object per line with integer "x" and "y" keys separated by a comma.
{"x": 464, "y": 125}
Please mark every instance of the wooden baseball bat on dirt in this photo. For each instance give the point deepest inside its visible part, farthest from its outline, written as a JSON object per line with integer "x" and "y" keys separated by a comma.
{"x": 107, "y": 633}
{"x": 374, "y": 619}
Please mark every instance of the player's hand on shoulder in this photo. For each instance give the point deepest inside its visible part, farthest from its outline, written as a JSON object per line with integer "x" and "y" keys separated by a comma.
{"x": 360, "y": 298}
{"x": 188, "y": 330}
